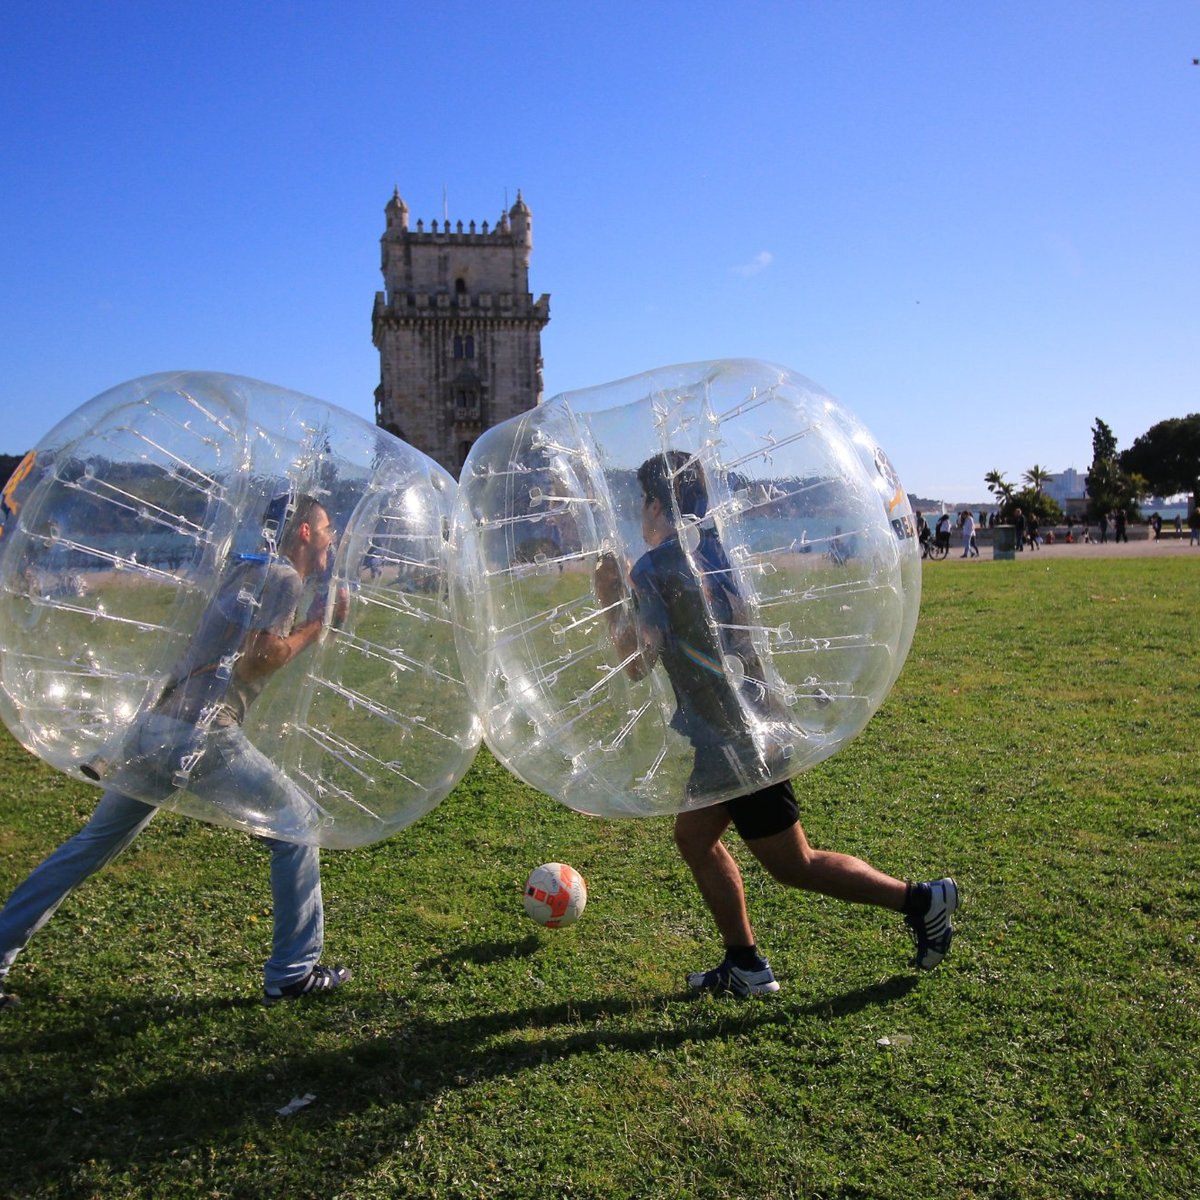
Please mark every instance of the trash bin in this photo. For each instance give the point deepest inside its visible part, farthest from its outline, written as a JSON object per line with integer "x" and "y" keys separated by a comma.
{"x": 1004, "y": 541}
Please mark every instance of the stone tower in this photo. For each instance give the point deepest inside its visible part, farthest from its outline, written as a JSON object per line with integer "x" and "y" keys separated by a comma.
{"x": 457, "y": 330}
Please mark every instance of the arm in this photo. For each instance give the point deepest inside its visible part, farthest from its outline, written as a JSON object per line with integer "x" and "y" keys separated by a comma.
{"x": 638, "y": 654}
{"x": 264, "y": 652}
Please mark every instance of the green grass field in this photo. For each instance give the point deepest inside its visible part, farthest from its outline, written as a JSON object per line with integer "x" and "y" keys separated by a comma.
{"x": 1038, "y": 746}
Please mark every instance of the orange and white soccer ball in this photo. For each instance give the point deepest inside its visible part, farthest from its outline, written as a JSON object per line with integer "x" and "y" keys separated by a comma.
{"x": 555, "y": 895}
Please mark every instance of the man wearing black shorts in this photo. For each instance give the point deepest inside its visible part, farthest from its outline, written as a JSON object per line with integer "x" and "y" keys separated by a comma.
{"x": 691, "y": 618}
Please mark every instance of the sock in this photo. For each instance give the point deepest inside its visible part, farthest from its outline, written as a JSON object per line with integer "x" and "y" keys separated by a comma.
{"x": 745, "y": 958}
{"x": 917, "y": 899}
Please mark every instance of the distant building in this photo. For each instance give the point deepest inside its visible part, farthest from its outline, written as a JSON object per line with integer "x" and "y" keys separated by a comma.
{"x": 457, "y": 330}
{"x": 1067, "y": 486}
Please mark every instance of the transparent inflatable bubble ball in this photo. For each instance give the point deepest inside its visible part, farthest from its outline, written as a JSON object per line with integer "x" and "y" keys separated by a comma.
{"x": 230, "y": 599}
{"x": 681, "y": 587}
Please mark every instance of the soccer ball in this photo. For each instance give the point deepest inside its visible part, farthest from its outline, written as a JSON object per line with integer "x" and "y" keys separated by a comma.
{"x": 555, "y": 895}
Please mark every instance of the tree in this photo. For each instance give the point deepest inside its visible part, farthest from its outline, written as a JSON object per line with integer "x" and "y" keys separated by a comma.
{"x": 1108, "y": 487}
{"x": 1168, "y": 455}
{"x": 1033, "y": 504}
{"x": 1104, "y": 442}
{"x": 1036, "y": 477}
{"x": 8, "y": 464}
{"x": 999, "y": 487}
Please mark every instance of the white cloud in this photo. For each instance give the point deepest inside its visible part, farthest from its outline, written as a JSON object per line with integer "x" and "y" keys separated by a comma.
{"x": 760, "y": 262}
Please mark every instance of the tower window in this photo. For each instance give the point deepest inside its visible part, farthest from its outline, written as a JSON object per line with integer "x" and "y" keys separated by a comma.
{"x": 458, "y": 346}
{"x": 469, "y": 346}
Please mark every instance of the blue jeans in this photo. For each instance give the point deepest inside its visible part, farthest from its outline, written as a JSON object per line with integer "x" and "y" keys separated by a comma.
{"x": 118, "y": 819}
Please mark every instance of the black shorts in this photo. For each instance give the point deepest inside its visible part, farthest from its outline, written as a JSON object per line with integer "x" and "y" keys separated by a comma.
{"x": 756, "y": 814}
{"x": 765, "y": 813}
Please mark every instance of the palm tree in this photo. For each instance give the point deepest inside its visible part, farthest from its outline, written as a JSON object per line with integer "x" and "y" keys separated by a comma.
{"x": 1036, "y": 476}
{"x": 999, "y": 486}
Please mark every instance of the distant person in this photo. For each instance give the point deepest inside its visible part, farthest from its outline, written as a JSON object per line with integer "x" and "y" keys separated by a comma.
{"x": 968, "y": 536}
{"x": 941, "y": 532}
{"x": 258, "y": 637}
{"x": 1156, "y": 525}
{"x": 1119, "y": 520}
{"x": 1103, "y": 528}
{"x": 690, "y": 616}
{"x": 1031, "y": 530}
{"x": 924, "y": 536}
{"x": 1194, "y": 527}
{"x": 1018, "y": 520}
{"x": 1178, "y": 525}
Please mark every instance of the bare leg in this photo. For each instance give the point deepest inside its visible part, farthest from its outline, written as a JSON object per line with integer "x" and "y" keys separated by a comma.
{"x": 793, "y": 862}
{"x": 698, "y": 836}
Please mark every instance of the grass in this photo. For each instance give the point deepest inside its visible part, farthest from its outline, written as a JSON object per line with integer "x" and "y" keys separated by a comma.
{"x": 1038, "y": 746}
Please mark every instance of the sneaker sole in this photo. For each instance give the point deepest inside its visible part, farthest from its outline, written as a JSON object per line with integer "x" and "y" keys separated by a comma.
{"x": 696, "y": 984}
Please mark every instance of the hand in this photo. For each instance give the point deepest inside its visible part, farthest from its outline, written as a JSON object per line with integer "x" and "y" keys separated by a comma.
{"x": 320, "y": 602}
{"x": 608, "y": 579}
{"x": 341, "y": 606}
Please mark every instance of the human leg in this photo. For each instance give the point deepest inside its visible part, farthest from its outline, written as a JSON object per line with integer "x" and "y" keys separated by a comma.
{"x": 243, "y": 788}
{"x": 927, "y": 907}
{"x": 743, "y": 970}
{"x": 793, "y": 862}
{"x": 698, "y": 839}
{"x": 299, "y": 932}
{"x": 265, "y": 796}
{"x": 784, "y": 850}
{"x": 117, "y": 820}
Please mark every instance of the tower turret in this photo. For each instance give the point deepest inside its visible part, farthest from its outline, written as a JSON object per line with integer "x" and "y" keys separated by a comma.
{"x": 521, "y": 220}
{"x": 396, "y": 213}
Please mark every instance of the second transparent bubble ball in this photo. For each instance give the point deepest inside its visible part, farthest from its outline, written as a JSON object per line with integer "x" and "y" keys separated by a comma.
{"x": 680, "y": 587}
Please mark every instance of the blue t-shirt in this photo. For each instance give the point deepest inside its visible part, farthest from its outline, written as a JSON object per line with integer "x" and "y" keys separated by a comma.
{"x": 700, "y": 621}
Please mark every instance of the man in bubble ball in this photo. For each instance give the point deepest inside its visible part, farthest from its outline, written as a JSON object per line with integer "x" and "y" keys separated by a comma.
{"x": 681, "y": 604}
{"x": 260, "y": 637}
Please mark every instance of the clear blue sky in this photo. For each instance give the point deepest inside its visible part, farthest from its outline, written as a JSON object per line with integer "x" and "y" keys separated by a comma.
{"x": 976, "y": 224}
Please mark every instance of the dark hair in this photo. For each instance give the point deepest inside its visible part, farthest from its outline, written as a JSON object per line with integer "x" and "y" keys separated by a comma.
{"x": 675, "y": 472}
{"x": 286, "y": 513}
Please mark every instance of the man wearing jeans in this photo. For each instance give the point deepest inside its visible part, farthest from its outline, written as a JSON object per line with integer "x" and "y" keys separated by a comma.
{"x": 193, "y": 738}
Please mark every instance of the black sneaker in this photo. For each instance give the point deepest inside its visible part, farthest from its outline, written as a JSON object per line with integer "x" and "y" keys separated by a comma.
{"x": 318, "y": 981}
{"x": 728, "y": 978}
{"x": 931, "y": 933}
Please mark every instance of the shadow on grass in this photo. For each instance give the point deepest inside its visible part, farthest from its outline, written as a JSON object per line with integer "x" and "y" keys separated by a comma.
{"x": 393, "y": 1062}
{"x": 481, "y": 953}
